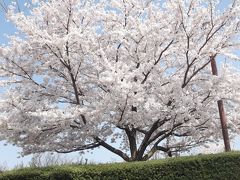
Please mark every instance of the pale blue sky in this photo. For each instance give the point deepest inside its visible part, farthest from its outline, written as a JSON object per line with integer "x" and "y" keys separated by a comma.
{"x": 9, "y": 153}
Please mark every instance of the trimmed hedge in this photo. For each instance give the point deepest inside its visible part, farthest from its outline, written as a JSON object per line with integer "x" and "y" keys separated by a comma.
{"x": 218, "y": 166}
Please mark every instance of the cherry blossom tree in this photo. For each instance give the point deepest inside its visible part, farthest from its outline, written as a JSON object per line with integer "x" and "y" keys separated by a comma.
{"x": 132, "y": 76}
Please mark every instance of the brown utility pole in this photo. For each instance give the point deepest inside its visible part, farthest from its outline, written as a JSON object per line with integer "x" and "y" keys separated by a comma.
{"x": 222, "y": 114}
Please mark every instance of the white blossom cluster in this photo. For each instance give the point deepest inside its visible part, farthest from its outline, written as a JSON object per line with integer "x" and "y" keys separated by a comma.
{"x": 83, "y": 73}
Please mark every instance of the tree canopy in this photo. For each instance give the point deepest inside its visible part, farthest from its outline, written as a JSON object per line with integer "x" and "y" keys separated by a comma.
{"x": 132, "y": 76}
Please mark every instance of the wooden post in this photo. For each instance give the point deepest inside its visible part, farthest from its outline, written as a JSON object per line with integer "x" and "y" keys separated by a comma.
{"x": 222, "y": 114}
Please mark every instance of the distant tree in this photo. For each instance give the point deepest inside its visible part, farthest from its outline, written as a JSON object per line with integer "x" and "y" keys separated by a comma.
{"x": 53, "y": 159}
{"x": 3, "y": 167}
{"x": 132, "y": 76}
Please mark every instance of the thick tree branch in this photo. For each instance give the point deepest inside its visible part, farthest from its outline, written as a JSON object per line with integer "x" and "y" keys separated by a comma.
{"x": 145, "y": 141}
{"x": 80, "y": 148}
{"x": 131, "y": 134}
{"x": 112, "y": 149}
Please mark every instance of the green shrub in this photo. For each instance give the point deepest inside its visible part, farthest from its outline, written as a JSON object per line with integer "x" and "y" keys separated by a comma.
{"x": 218, "y": 166}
